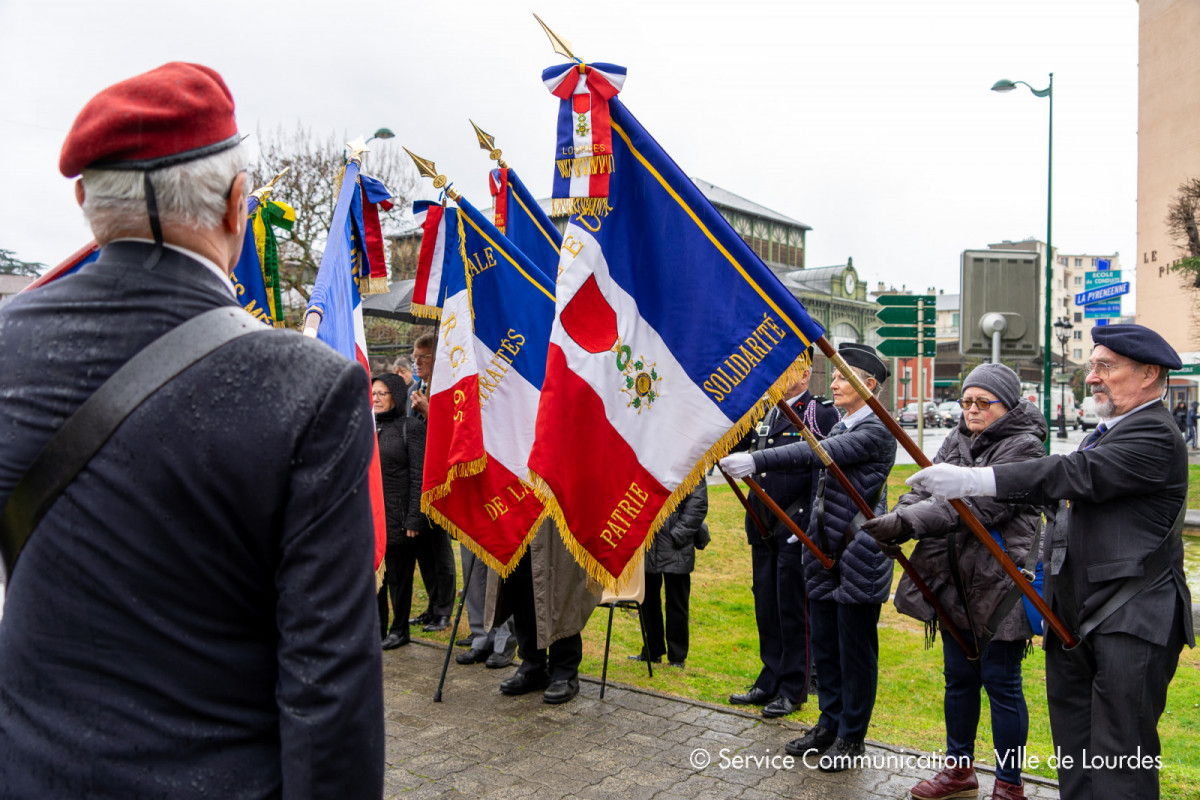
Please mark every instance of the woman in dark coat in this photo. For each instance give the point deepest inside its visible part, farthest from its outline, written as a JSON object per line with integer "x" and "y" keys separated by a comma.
{"x": 997, "y": 427}
{"x": 669, "y": 563}
{"x": 402, "y": 458}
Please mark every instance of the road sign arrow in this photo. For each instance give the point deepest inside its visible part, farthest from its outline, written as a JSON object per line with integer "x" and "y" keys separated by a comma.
{"x": 904, "y": 332}
{"x": 905, "y": 348}
{"x": 901, "y": 315}
{"x": 905, "y": 299}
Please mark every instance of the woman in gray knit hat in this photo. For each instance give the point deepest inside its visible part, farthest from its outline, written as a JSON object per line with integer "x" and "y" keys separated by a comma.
{"x": 997, "y": 427}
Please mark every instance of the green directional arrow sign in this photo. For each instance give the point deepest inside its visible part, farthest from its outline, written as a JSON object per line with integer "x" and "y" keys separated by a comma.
{"x": 901, "y": 315}
{"x": 904, "y": 331}
{"x": 905, "y": 348}
{"x": 905, "y": 299}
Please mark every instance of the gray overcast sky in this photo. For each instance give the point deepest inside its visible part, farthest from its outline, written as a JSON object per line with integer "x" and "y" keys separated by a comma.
{"x": 869, "y": 120}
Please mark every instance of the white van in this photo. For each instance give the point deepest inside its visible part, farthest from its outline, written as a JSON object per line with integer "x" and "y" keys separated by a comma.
{"x": 1088, "y": 418}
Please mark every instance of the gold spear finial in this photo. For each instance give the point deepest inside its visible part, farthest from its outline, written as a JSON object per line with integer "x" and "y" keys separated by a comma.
{"x": 487, "y": 142}
{"x": 560, "y": 45}
{"x": 262, "y": 192}
{"x": 427, "y": 169}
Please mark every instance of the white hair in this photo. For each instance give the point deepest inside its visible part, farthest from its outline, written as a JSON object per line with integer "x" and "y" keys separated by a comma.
{"x": 193, "y": 193}
{"x": 863, "y": 375}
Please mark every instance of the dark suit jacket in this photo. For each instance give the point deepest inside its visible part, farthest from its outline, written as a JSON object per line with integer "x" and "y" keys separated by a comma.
{"x": 1124, "y": 493}
{"x": 195, "y": 615}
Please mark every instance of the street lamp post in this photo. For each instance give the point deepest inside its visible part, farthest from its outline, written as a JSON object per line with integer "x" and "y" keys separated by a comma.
{"x": 1047, "y": 356}
{"x": 1063, "y": 333}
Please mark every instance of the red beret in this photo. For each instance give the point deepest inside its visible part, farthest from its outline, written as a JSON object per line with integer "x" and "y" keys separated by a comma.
{"x": 166, "y": 116}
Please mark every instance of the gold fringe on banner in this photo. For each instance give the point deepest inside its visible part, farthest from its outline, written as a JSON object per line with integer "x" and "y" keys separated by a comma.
{"x": 504, "y": 570}
{"x": 719, "y": 449}
{"x": 585, "y": 206}
{"x": 377, "y": 285}
{"x": 464, "y": 470}
{"x": 585, "y": 166}
{"x": 425, "y": 312}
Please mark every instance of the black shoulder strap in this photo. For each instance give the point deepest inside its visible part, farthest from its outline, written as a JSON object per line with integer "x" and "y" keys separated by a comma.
{"x": 86, "y": 431}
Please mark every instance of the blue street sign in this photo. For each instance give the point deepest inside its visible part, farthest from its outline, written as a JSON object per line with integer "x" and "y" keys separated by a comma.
{"x": 1103, "y": 263}
{"x": 1096, "y": 310}
{"x": 1102, "y": 293}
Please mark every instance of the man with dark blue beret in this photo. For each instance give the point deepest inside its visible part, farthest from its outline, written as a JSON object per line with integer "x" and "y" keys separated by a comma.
{"x": 1114, "y": 566}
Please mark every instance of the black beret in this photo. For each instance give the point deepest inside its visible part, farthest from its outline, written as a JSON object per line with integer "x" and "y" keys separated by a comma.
{"x": 1137, "y": 342}
{"x": 865, "y": 358}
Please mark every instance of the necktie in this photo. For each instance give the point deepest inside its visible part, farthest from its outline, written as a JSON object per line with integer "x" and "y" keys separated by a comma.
{"x": 1094, "y": 437}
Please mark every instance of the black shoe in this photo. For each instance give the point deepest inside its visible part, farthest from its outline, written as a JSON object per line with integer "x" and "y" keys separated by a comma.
{"x": 395, "y": 640}
{"x": 779, "y": 707}
{"x": 421, "y": 618}
{"x": 754, "y": 697}
{"x": 466, "y": 641}
{"x": 561, "y": 691}
{"x": 642, "y": 657}
{"x": 675, "y": 664}
{"x": 437, "y": 624}
{"x": 841, "y": 756}
{"x": 499, "y": 660}
{"x": 472, "y": 656}
{"x": 525, "y": 682}
{"x": 817, "y": 740}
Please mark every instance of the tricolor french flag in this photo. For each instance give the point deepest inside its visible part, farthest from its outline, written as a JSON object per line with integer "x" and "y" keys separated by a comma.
{"x": 492, "y": 341}
{"x": 671, "y": 338}
{"x": 439, "y": 232}
{"x": 526, "y": 225}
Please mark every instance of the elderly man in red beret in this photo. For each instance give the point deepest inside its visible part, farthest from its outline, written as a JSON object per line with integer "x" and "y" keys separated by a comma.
{"x": 186, "y": 524}
{"x": 1113, "y": 564}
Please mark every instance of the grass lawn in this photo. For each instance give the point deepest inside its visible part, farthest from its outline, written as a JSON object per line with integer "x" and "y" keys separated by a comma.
{"x": 723, "y": 659}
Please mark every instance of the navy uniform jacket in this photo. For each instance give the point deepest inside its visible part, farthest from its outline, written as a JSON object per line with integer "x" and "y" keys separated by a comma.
{"x": 195, "y": 616}
{"x": 1124, "y": 493}
{"x": 786, "y": 487}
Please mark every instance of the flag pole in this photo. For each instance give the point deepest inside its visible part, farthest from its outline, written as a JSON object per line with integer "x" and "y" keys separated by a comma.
{"x": 787, "y": 521}
{"x": 947, "y": 624}
{"x": 964, "y": 512}
{"x": 768, "y": 537}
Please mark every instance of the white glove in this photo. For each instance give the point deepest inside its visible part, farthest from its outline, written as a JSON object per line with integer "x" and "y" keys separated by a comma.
{"x": 945, "y": 481}
{"x": 738, "y": 465}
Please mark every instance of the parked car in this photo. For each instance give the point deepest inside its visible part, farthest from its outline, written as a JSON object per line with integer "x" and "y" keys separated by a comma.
{"x": 908, "y": 416}
{"x": 950, "y": 412}
{"x": 1088, "y": 418}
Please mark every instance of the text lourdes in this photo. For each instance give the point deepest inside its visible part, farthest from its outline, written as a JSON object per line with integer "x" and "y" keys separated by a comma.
{"x": 624, "y": 514}
{"x": 737, "y": 366}
{"x": 495, "y": 370}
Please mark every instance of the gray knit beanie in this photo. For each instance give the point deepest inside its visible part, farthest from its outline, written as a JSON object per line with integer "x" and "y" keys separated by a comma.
{"x": 997, "y": 379}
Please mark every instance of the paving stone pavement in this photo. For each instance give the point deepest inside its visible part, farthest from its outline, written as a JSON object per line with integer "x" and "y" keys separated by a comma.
{"x": 478, "y": 743}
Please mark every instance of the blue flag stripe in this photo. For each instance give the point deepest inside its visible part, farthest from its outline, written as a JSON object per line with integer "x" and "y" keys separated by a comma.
{"x": 541, "y": 281}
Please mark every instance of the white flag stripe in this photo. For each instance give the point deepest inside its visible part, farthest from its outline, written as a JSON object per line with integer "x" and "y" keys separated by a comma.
{"x": 509, "y": 414}
{"x": 682, "y": 423}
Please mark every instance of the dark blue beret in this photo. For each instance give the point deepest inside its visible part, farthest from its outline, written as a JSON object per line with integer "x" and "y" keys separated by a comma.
{"x": 865, "y": 358}
{"x": 1137, "y": 342}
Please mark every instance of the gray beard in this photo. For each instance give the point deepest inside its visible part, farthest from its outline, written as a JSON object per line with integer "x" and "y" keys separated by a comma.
{"x": 1105, "y": 407}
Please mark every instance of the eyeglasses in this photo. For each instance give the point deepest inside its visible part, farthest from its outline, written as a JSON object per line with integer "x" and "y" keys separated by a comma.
{"x": 381, "y": 393}
{"x": 420, "y": 358}
{"x": 1100, "y": 368}
{"x": 979, "y": 402}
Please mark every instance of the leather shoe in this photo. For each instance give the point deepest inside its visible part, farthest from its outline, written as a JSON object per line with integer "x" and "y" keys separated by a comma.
{"x": 779, "y": 707}
{"x": 754, "y": 697}
{"x": 420, "y": 619}
{"x": 1003, "y": 790}
{"x": 561, "y": 691}
{"x": 466, "y": 641}
{"x": 395, "y": 640}
{"x": 642, "y": 657}
{"x": 437, "y": 624}
{"x": 525, "y": 682}
{"x": 950, "y": 782}
{"x": 816, "y": 740}
{"x": 841, "y": 756}
{"x": 472, "y": 656}
{"x": 498, "y": 660}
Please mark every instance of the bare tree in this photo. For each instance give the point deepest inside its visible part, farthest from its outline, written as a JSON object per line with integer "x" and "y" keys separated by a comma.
{"x": 1182, "y": 227}
{"x": 311, "y": 185}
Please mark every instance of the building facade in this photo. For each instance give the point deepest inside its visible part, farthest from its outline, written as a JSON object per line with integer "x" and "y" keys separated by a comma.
{"x": 1168, "y": 154}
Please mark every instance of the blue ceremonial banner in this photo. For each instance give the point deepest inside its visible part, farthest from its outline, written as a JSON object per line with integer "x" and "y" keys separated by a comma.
{"x": 671, "y": 339}
{"x": 335, "y": 295}
{"x": 525, "y": 224}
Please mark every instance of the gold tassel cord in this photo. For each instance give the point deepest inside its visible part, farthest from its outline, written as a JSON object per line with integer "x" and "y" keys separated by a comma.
{"x": 585, "y": 166}
{"x": 425, "y": 312}
{"x": 582, "y": 206}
